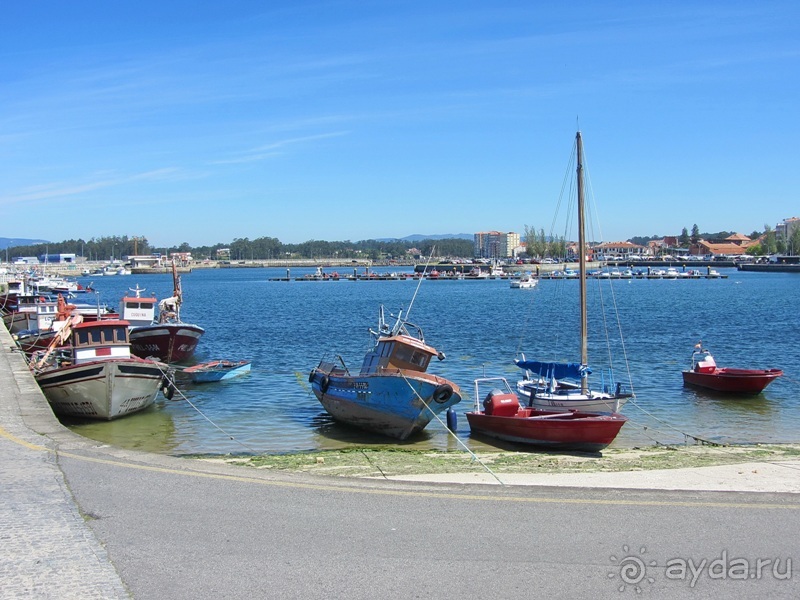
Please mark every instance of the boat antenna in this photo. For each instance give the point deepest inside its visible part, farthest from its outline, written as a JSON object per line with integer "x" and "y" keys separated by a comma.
{"x": 419, "y": 283}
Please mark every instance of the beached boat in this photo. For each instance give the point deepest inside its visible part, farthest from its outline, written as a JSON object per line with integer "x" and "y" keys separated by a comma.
{"x": 95, "y": 376}
{"x": 565, "y": 385}
{"x": 392, "y": 394}
{"x": 705, "y": 373}
{"x": 165, "y": 337}
{"x": 216, "y": 370}
{"x": 502, "y": 417}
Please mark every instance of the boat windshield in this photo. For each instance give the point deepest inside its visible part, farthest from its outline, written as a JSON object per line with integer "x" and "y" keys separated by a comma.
{"x": 411, "y": 355}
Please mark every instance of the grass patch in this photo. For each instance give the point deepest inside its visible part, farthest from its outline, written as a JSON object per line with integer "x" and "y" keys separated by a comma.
{"x": 392, "y": 461}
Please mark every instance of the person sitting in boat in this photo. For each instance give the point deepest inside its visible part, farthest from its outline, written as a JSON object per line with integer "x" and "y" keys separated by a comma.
{"x": 168, "y": 309}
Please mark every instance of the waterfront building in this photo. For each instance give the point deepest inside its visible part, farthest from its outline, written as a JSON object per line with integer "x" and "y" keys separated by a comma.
{"x": 704, "y": 248}
{"x": 785, "y": 229}
{"x": 619, "y": 251}
{"x": 144, "y": 261}
{"x": 495, "y": 244}
{"x": 54, "y": 259}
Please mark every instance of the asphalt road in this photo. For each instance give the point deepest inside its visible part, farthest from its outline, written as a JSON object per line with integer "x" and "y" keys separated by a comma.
{"x": 180, "y": 528}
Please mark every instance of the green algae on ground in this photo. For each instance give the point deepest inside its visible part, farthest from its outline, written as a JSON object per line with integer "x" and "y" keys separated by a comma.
{"x": 389, "y": 461}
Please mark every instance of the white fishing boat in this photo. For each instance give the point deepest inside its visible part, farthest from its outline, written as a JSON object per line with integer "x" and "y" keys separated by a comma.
{"x": 95, "y": 376}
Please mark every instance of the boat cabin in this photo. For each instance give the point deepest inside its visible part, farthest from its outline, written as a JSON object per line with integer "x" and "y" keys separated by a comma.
{"x": 46, "y": 313}
{"x": 100, "y": 340}
{"x": 16, "y": 287}
{"x": 398, "y": 352}
{"x": 138, "y": 311}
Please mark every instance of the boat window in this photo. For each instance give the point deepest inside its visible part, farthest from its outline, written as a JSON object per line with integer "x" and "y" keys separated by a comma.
{"x": 93, "y": 336}
{"x": 81, "y": 338}
{"x": 420, "y": 359}
{"x": 119, "y": 334}
{"x": 131, "y": 305}
{"x": 411, "y": 355}
{"x": 386, "y": 349}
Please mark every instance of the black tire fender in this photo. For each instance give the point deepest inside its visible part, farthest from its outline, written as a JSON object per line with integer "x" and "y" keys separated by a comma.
{"x": 167, "y": 388}
{"x": 324, "y": 383}
{"x": 443, "y": 392}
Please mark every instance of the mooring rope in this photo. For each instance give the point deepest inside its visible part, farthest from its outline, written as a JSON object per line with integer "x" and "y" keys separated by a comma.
{"x": 452, "y": 433}
{"x": 171, "y": 382}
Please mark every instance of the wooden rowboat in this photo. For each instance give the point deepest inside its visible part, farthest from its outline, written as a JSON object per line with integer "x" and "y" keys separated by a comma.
{"x": 217, "y": 370}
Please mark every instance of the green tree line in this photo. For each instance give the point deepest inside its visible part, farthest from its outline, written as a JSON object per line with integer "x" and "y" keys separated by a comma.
{"x": 264, "y": 248}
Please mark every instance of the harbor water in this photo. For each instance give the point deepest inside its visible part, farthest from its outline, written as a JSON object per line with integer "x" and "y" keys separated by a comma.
{"x": 747, "y": 320}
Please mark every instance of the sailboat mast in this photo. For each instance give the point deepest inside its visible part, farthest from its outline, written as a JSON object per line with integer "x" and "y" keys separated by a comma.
{"x": 582, "y": 263}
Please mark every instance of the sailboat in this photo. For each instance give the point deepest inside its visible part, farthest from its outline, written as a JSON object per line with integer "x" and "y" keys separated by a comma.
{"x": 560, "y": 413}
{"x": 562, "y": 385}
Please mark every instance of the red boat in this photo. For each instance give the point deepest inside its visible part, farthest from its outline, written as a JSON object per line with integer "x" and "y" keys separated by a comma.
{"x": 166, "y": 337}
{"x": 503, "y": 418}
{"x": 706, "y": 374}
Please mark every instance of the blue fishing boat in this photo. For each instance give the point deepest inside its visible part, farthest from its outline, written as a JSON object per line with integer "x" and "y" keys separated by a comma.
{"x": 217, "y": 370}
{"x": 392, "y": 394}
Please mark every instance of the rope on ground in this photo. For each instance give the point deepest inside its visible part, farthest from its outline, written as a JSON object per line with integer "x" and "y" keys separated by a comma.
{"x": 375, "y": 465}
{"x": 474, "y": 456}
{"x": 171, "y": 382}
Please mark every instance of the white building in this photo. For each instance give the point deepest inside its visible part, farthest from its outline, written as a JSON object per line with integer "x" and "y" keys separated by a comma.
{"x": 495, "y": 244}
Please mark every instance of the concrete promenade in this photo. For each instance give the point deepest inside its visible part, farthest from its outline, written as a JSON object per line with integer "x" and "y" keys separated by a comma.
{"x": 46, "y": 548}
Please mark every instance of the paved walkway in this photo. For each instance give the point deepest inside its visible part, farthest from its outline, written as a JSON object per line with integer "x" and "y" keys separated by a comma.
{"x": 46, "y": 548}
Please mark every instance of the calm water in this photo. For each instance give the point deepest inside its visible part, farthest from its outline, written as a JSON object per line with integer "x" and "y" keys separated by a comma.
{"x": 747, "y": 320}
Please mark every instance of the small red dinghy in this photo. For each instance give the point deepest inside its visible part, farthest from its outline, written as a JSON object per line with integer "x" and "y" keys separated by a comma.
{"x": 706, "y": 374}
{"x": 503, "y": 418}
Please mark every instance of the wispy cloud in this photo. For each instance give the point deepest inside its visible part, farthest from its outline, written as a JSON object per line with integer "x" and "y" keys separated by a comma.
{"x": 62, "y": 190}
{"x": 276, "y": 148}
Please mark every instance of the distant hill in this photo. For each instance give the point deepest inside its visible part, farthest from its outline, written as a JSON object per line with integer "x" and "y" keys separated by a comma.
{"x": 10, "y": 242}
{"x": 416, "y": 237}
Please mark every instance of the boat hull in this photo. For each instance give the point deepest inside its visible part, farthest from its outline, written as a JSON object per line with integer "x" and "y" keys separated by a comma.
{"x": 390, "y": 403}
{"x": 17, "y": 322}
{"x": 573, "y": 399}
{"x": 167, "y": 342}
{"x": 581, "y": 431}
{"x": 215, "y": 371}
{"x": 738, "y": 381}
{"x": 103, "y": 390}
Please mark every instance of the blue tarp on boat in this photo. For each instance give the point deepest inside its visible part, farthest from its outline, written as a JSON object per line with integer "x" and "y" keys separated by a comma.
{"x": 558, "y": 370}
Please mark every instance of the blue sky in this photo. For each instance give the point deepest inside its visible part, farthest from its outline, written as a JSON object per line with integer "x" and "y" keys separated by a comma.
{"x": 347, "y": 120}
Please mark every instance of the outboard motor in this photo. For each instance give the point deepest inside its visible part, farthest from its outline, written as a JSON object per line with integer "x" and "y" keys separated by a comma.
{"x": 501, "y": 404}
